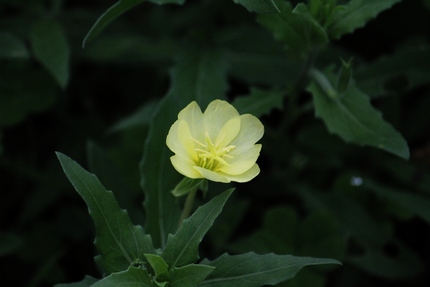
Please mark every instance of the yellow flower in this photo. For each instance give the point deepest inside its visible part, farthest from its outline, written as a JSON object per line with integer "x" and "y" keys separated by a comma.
{"x": 218, "y": 144}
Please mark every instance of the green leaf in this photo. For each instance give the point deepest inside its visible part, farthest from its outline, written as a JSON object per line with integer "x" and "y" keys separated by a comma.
{"x": 182, "y": 247}
{"x": 259, "y": 6}
{"x": 354, "y": 119}
{"x": 86, "y": 282}
{"x": 254, "y": 270}
{"x": 118, "y": 241}
{"x": 355, "y": 15}
{"x": 409, "y": 64}
{"x": 417, "y": 204}
{"x": 296, "y": 28}
{"x": 50, "y": 47}
{"x": 199, "y": 75}
{"x": 132, "y": 277}
{"x": 21, "y": 91}
{"x": 159, "y": 266}
{"x": 107, "y": 171}
{"x": 12, "y": 47}
{"x": 259, "y": 102}
{"x": 111, "y": 14}
{"x": 189, "y": 275}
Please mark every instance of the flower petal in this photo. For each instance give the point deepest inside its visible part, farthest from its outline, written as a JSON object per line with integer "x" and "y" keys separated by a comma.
{"x": 246, "y": 176}
{"x": 179, "y": 140}
{"x": 184, "y": 167}
{"x": 242, "y": 160}
{"x": 211, "y": 175}
{"x": 193, "y": 116}
{"x": 216, "y": 115}
{"x": 228, "y": 132}
{"x": 251, "y": 130}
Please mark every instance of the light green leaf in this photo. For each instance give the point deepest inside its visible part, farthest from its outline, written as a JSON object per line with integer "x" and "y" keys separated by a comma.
{"x": 259, "y": 6}
{"x": 159, "y": 266}
{"x": 259, "y": 102}
{"x": 86, "y": 282}
{"x": 132, "y": 277}
{"x": 111, "y": 14}
{"x": 182, "y": 247}
{"x": 189, "y": 275}
{"x": 50, "y": 47}
{"x": 254, "y": 270}
{"x": 296, "y": 28}
{"x": 355, "y": 15}
{"x": 353, "y": 118}
{"x": 199, "y": 75}
{"x": 12, "y": 47}
{"x": 118, "y": 241}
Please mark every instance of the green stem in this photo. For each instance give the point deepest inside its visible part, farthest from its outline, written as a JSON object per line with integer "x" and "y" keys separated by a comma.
{"x": 188, "y": 206}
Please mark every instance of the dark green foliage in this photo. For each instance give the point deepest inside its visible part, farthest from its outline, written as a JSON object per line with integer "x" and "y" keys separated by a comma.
{"x": 342, "y": 87}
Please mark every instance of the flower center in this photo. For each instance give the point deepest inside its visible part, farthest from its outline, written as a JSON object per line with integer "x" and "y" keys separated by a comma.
{"x": 211, "y": 155}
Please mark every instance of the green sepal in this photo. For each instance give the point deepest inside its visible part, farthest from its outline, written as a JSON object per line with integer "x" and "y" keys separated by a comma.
{"x": 187, "y": 185}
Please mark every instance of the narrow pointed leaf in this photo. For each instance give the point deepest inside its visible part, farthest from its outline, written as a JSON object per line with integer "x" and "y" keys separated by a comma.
{"x": 51, "y": 49}
{"x": 259, "y": 6}
{"x": 355, "y": 15}
{"x": 132, "y": 277}
{"x": 119, "y": 242}
{"x": 182, "y": 248}
{"x": 355, "y": 120}
{"x": 199, "y": 75}
{"x": 111, "y": 14}
{"x": 254, "y": 270}
{"x": 189, "y": 275}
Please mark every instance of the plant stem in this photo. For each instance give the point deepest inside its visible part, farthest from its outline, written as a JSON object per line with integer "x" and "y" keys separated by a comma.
{"x": 188, "y": 206}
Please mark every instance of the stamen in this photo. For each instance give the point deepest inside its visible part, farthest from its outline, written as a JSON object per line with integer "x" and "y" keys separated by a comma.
{"x": 211, "y": 155}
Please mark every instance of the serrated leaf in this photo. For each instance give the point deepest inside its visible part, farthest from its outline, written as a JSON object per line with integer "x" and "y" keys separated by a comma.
{"x": 199, "y": 75}
{"x": 182, "y": 247}
{"x": 296, "y": 28}
{"x": 86, "y": 282}
{"x": 132, "y": 277}
{"x": 355, "y": 120}
{"x": 50, "y": 47}
{"x": 111, "y": 14}
{"x": 189, "y": 275}
{"x": 254, "y": 270}
{"x": 119, "y": 242}
{"x": 259, "y": 102}
{"x": 355, "y": 15}
{"x": 259, "y": 6}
